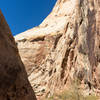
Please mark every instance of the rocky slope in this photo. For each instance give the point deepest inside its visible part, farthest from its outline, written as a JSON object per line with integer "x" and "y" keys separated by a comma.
{"x": 64, "y": 47}
{"x": 14, "y": 84}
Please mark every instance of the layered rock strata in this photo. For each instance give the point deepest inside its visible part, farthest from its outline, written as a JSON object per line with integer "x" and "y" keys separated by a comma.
{"x": 64, "y": 47}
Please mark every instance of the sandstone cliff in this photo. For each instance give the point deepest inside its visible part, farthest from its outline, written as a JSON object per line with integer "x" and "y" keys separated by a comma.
{"x": 14, "y": 84}
{"x": 64, "y": 47}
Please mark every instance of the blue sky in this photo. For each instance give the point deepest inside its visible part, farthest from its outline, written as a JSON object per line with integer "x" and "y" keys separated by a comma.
{"x": 25, "y": 14}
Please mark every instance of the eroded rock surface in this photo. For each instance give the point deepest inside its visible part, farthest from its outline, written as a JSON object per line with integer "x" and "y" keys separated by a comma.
{"x": 14, "y": 84}
{"x": 65, "y": 46}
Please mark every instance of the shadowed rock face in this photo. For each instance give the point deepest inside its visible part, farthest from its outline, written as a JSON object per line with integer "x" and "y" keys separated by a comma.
{"x": 14, "y": 84}
{"x": 64, "y": 47}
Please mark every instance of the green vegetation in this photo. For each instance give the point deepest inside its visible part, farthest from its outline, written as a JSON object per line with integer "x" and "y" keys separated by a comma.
{"x": 72, "y": 94}
{"x": 69, "y": 95}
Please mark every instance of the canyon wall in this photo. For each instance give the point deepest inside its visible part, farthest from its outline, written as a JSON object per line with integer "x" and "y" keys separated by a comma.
{"x": 65, "y": 46}
{"x": 14, "y": 84}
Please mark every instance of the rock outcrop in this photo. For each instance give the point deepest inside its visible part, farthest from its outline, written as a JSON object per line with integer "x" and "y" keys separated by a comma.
{"x": 64, "y": 47}
{"x": 14, "y": 84}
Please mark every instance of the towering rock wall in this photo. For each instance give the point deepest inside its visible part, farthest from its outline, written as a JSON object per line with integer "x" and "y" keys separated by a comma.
{"x": 14, "y": 84}
{"x": 64, "y": 47}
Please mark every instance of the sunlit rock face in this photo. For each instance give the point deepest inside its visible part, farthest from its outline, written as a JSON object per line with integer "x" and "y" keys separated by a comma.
{"x": 64, "y": 47}
{"x": 14, "y": 84}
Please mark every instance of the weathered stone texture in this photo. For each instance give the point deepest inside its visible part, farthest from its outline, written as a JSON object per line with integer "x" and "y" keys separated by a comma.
{"x": 66, "y": 45}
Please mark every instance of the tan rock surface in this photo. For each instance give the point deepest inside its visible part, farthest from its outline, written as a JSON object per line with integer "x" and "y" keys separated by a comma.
{"x": 14, "y": 84}
{"x": 66, "y": 45}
